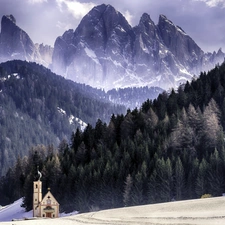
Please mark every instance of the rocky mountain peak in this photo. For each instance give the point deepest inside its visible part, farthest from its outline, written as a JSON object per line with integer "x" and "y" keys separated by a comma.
{"x": 220, "y": 52}
{"x": 102, "y": 17}
{"x": 166, "y": 27}
{"x": 8, "y": 23}
{"x": 163, "y": 19}
{"x": 146, "y": 21}
{"x": 98, "y": 44}
{"x": 181, "y": 45}
{"x": 146, "y": 26}
{"x": 15, "y": 43}
{"x": 145, "y": 18}
{"x": 9, "y": 17}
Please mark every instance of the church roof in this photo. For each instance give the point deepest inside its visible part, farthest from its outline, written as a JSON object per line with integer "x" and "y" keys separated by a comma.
{"x": 49, "y": 196}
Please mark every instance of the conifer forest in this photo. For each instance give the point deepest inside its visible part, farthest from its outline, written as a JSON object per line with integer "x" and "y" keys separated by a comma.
{"x": 170, "y": 149}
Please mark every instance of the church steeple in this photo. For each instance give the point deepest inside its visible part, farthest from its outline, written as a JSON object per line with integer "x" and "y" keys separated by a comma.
{"x": 37, "y": 196}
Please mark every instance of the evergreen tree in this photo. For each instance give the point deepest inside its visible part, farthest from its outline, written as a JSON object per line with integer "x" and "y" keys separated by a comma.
{"x": 202, "y": 182}
{"x": 216, "y": 175}
{"x": 179, "y": 180}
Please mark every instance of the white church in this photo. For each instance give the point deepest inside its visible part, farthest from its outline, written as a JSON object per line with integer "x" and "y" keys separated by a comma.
{"x": 46, "y": 207}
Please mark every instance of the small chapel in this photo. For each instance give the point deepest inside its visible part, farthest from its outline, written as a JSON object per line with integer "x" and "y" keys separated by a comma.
{"x": 48, "y": 206}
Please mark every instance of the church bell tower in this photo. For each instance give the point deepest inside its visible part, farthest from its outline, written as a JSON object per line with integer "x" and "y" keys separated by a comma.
{"x": 37, "y": 196}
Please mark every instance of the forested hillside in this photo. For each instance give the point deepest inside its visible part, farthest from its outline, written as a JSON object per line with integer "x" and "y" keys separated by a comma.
{"x": 39, "y": 107}
{"x": 133, "y": 97}
{"x": 171, "y": 148}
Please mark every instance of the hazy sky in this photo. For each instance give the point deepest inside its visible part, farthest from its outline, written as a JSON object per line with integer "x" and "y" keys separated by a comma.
{"x": 45, "y": 20}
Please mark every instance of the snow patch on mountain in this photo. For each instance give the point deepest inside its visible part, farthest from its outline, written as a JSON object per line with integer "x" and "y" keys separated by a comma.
{"x": 72, "y": 119}
{"x": 63, "y": 112}
{"x": 91, "y": 54}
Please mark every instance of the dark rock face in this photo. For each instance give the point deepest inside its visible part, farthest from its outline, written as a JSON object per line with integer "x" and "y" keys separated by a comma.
{"x": 99, "y": 51}
{"x": 106, "y": 52}
{"x": 179, "y": 43}
{"x": 63, "y": 51}
{"x": 16, "y": 44}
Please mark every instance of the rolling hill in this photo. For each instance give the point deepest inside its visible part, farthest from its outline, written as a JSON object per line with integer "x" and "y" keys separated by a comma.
{"x": 192, "y": 212}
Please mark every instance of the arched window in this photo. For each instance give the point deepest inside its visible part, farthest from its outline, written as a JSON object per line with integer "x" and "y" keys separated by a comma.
{"x": 48, "y": 201}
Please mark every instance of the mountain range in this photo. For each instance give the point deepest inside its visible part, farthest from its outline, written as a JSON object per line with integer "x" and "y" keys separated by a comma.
{"x": 106, "y": 52}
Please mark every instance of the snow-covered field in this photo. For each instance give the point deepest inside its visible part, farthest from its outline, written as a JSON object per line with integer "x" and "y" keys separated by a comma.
{"x": 209, "y": 211}
{"x": 14, "y": 211}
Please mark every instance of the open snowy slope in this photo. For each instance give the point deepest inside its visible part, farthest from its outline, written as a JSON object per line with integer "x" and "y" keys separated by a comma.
{"x": 14, "y": 211}
{"x": 209, "y": 211}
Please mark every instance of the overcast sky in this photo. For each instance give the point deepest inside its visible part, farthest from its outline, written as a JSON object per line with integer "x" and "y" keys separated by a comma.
{"x": 45, "y": 20}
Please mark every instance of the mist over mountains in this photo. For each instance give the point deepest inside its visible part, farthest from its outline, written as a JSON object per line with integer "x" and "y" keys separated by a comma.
{"x": 104, "y": 51}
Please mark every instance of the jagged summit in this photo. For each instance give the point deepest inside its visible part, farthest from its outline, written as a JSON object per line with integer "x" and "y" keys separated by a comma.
{"x": 145, "y": 18}
{"x": 164, "y": 23}
{"x": 163, "y": 18}
{"x": 10, "y": 17}
{"x": 98, "y": 44}
{"x": 8, "y": 24}
{"x": 15, "y": 43}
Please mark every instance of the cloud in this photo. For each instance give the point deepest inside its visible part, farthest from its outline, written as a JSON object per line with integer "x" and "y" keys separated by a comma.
{"x": 213, "y": 3}
{"x": 76, "y": 8}
{"x": 37, "y": 1}
{"x": 128, "y": 16}
{"x": 63, "y": 25}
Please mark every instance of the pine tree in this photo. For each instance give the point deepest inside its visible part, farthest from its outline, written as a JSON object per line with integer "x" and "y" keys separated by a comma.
{"x": 179, "y": 179}
{"x": 164, "y": 180}
{"x": 216, "y": 175}
{"x": 202, "y": 182}
{"x": 127, "y": 191}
